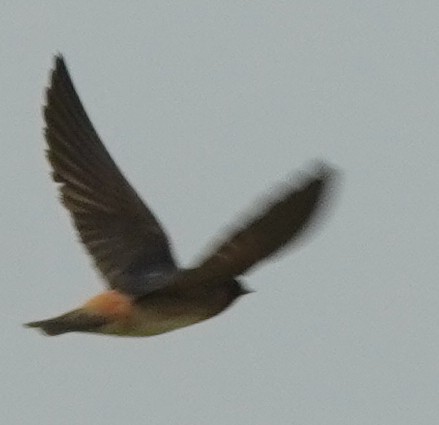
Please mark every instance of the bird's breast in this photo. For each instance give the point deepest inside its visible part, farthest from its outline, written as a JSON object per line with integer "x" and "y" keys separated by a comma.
{"x": 156, "y": 316}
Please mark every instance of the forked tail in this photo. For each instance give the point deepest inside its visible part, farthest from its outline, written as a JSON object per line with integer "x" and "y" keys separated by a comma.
{"x": 74, "y": 321}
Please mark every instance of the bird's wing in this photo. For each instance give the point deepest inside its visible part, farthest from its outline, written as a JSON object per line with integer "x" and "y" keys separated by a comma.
{"x": 122, "y": 235}
{"x": 282, "y": 222}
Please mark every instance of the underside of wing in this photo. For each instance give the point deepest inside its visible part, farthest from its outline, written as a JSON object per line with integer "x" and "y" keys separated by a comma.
{"x": 122, "y": 235}
{"x": 274, "y": 228}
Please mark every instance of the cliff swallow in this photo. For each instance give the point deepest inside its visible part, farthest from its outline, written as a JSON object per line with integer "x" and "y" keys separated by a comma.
{"x": 149, "y": 293}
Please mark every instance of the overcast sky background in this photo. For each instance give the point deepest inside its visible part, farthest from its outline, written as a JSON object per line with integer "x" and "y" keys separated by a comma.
{"x": 206, "y": 106}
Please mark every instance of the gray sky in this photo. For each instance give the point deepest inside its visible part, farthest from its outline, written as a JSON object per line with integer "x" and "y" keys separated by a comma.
{"x": 206, "y": 106}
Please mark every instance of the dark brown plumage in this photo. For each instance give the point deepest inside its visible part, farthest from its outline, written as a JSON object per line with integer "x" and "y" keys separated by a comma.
{"x": 128, "y": 244}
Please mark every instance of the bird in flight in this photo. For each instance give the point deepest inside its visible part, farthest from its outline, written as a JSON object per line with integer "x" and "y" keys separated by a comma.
{"x": 148, "y": 292}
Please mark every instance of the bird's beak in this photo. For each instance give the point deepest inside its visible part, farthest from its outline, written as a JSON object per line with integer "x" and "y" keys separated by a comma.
{"x": 246, "y": 291}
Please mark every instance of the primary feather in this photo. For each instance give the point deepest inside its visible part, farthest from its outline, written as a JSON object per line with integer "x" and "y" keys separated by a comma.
{"x": 125, "y": 240}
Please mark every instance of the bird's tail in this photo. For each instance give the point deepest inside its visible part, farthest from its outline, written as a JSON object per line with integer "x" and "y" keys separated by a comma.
{"x": 75, "y": 321}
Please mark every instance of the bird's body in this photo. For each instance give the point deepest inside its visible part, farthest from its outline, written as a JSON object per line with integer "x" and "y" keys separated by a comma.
{"x": 115, "y": 313}
{"x": 161, "y": 312}
{"x": 149, "y": 293}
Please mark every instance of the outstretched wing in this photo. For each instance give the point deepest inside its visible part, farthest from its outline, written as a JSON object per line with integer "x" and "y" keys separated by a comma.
{"x": 273, "y": 229}
{"x": 122, "y": 235}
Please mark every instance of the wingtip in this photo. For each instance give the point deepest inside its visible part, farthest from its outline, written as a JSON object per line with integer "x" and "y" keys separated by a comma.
{"x": 324, "y": 169}
{"x": 59, "y": 65}
{"x": 58, "y": 73}
{"x": 58, "y": 58}
{"x": 328, "y": 174}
